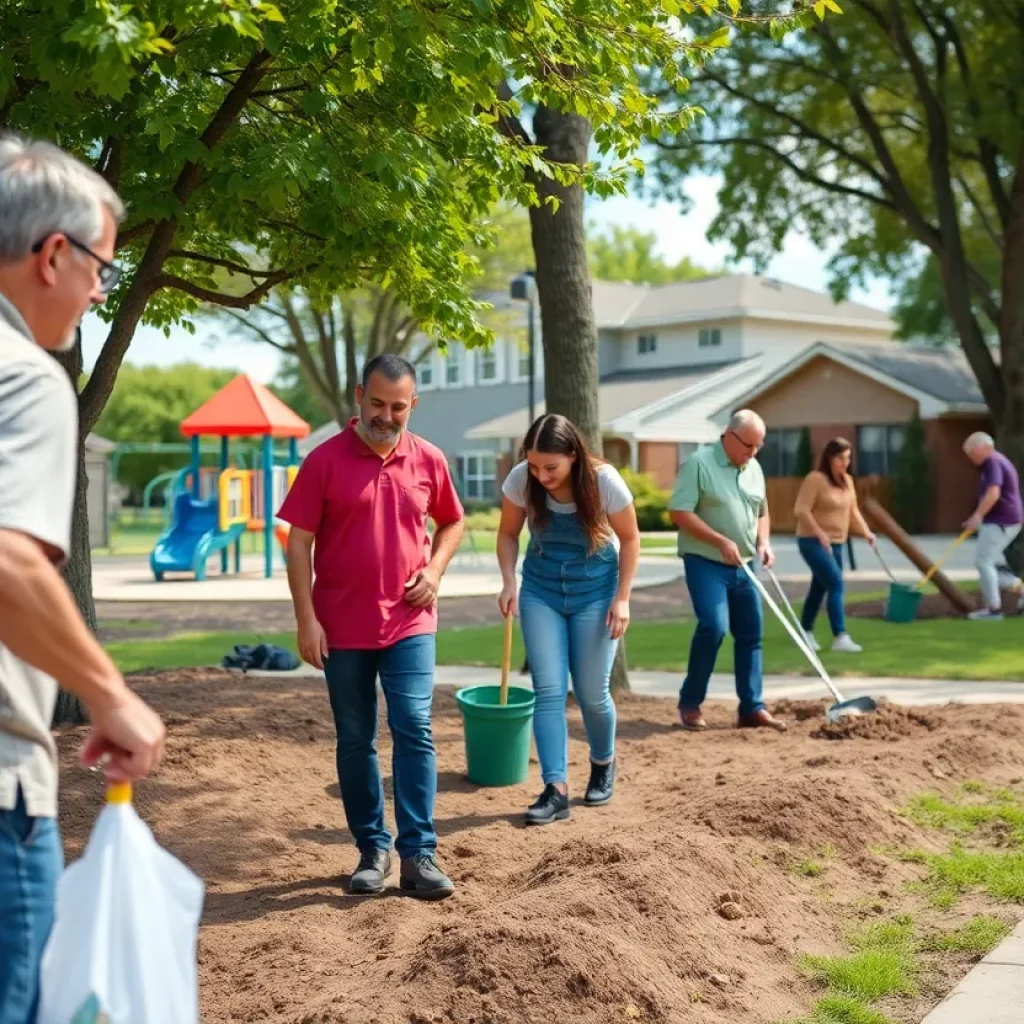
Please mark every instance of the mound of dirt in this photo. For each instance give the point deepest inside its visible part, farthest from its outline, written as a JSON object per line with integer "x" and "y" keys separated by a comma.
{"x": 889, "y": 722}
{"x": 677, "y": 902}
{"x": 800, "y": 710}
{"x": 932, "y": 606}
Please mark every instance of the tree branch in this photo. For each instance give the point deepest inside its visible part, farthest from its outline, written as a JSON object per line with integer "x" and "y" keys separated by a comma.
{"x": 216, "y": 261}
{"x": 250, "y": 298}
{"x": 259, "y": 332}
{"x": 508, "y": 124}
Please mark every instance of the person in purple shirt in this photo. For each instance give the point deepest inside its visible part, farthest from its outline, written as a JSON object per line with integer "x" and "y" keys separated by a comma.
{"x": 997, "y": 520}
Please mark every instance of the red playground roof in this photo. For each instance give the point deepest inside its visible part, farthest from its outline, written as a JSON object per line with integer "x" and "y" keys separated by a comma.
{"x": 244, "y": 408}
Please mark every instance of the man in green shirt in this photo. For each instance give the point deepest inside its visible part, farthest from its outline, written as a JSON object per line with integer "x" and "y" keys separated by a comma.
{"x": 721, "y": 508}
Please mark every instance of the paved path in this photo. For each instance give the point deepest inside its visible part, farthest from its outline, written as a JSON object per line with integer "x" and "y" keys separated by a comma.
{"x": 476, "y": 575}
{"x": 992, "y": 993}
{"x": 908, "y": 692}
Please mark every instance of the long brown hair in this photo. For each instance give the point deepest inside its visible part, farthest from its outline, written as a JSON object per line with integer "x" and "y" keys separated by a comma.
{"x": 837, "y": 446}
{"x": 555, "y": 435}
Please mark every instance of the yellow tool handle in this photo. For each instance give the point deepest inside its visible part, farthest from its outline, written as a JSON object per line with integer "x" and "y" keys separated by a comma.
{"x": 506, "y": 659}
{"x": 119, "y": 793}
{"x": 938, "y": 565}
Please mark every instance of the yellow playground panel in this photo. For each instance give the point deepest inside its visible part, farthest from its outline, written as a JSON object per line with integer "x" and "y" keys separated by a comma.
{"x": 235, "y": 492}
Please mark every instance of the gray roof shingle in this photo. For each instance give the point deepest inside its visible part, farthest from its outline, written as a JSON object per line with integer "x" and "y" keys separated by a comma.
{"x": 943, "y": 373}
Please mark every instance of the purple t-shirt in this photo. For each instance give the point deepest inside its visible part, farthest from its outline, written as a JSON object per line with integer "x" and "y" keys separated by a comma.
{"x": 998, "y": 471}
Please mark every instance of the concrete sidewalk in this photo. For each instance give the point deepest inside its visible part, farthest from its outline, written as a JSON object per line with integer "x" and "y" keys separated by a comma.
{"x": 992, "y": 993}
{"x": 907, "y": 692}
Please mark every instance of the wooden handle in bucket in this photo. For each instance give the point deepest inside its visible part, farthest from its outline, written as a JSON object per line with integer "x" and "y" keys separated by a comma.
{"x": 506, "y": 659}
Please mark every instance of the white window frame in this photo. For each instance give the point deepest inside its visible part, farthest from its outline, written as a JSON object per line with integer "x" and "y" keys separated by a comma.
{"x": 709, "y": 337}
{"x": 429, "y": 364}
{"x": 646, "y": 344}
{"x": 455, "y": 356}
{"x": 461, "y": 467}
{"x": 482, "y": 355}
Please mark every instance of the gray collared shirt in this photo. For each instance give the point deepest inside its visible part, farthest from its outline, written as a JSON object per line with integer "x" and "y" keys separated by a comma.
{"x": 38, "y": 463}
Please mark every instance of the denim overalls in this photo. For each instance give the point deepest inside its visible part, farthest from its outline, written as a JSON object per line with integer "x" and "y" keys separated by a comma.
{"x": 563, "y": 606}
{"x": 559, "y": 568}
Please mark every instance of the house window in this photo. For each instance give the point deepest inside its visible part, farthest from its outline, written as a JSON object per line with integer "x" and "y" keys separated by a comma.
{"x": 779, "y": 455}
{"x": 453, "y": 368}
{"x": 646, "y": 343}
{"x": 487, "y": 364}
{"x": 709, "y": 337}
{"x": 478, "y": 475}
{"x": 878, "y": 449}
{"x": 523, "y": 365}
{"x": 425, "y": 372}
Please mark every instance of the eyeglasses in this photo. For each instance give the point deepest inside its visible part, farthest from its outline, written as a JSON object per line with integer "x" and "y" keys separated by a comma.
{"x": 752, "y": 448}
{"x": 108, "y": 273}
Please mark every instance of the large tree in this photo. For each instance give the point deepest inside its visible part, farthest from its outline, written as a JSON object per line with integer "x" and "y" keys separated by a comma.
{"x": 626, "y": 253}
{"x": 894, "y": 133}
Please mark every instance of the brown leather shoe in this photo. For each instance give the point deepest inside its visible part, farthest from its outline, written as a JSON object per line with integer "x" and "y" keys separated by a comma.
{"x": 761, "y": 720}
{"x": 692, "y": 719}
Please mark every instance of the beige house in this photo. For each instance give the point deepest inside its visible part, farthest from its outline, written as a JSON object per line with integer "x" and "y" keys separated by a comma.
{"x": 867, "y": 394}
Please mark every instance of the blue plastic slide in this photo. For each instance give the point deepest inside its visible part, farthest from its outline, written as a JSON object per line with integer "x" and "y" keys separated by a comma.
{"x": 192, "y": 538}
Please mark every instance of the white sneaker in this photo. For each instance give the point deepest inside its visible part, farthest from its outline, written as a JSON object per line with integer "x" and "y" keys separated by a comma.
{"x": 843, "y": 644}
{"x": 985, "y": 615}
{"x": 811, "y": 642}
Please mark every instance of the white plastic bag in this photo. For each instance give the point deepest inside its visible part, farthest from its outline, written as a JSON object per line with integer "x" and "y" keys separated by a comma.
{"x": 123, "y": 945}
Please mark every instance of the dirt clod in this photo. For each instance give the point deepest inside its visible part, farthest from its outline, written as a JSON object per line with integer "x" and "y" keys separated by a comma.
{"x": 731, "y": 911}
{"x": 889, "y": 722}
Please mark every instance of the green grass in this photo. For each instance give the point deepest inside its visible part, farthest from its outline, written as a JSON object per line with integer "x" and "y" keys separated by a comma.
{"x": 881, "y": 964}
{"x": 942, "y": 649}
{"x": 839, "y": 1009}
{"x": 186, "y": 650}
{"x": 978, "y": 936}
{"x": 939, "y": 649}
{"x": 1000, "y": 873}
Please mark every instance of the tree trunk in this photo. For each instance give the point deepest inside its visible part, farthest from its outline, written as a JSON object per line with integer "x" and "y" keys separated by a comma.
{"x": 566, "y": 299}
{"x": 78, "y": 571}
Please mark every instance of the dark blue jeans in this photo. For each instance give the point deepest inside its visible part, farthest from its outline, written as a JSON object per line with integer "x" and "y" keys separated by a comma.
{"x": 407, "y": 677}
{"x": 724, "y": 599}
{"x": 826, "y": 578}
{"x": 31, "y": 861}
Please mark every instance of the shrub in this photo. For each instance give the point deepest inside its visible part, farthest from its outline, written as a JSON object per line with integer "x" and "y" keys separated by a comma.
{"x": 650, "y": 500}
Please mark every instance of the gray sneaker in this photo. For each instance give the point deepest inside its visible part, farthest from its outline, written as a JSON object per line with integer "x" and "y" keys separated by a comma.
{"x": 422, "y": 878}
{"x": 373, "y": 868}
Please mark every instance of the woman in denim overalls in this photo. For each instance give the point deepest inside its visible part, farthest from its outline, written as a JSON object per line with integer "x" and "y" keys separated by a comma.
{"x": 574, "y": 604}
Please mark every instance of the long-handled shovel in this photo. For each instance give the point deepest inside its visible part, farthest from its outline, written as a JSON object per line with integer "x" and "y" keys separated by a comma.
{"x": 842, "y": 708}
{"x": 945, "y": 554}
{"x": 882, "y": 562}
{"x": 506, "y": 659}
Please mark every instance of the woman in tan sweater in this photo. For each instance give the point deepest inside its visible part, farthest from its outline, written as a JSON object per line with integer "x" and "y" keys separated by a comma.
{"x": 826, "y": 509}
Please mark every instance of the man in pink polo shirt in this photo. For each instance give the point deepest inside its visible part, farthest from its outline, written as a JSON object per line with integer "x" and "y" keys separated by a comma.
{"x": 358, "y": 509}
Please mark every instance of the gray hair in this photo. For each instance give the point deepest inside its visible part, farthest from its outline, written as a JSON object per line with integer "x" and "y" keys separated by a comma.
{"x": 44, "y": 190}
{"x": 979, "y": 439}
{"x": 745, "y": 418}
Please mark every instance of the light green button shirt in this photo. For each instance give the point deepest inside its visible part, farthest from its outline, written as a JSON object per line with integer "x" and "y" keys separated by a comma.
{"x": 728, "y": 498}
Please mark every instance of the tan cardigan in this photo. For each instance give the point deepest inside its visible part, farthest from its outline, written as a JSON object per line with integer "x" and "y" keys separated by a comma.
{"x": 834, "y": 509}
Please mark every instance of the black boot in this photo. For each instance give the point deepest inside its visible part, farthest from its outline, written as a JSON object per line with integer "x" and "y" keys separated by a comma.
{"x": 550, "y": 806}
{"x": 423, "y": 878}
{"x": 368, "y": 878}
{"x": 601, "y": 785}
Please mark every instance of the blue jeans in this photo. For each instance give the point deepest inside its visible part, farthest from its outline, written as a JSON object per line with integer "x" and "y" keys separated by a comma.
{"x": 31, "y": 861}
{"x": 826, "y": 578}
{"x": 407, "y": 677}
{"x": 723, "y": 599}
{"x": 559, "y": 644}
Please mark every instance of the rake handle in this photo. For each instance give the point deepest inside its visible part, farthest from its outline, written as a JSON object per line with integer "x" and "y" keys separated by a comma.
{"x": 506, "y": 660}
{"x": 938, "y": 565}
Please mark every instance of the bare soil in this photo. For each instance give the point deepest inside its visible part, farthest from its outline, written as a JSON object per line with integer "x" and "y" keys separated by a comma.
{"x": 679, "y": 902}
{"x": 932, "y": 606}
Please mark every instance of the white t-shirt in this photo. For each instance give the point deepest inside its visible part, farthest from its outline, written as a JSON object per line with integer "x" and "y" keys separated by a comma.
{"x": 614, "y": 492}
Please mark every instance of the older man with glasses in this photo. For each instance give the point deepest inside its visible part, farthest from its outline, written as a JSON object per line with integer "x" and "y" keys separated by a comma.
{"x": 58, "y": 225}
{"x": 721, "y": 509}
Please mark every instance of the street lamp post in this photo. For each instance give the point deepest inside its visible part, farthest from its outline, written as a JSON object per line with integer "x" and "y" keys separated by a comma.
{"x": 522, "y": 288}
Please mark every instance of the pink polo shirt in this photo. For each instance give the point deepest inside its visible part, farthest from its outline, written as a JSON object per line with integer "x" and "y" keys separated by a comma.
{"x": 369, "y": 519}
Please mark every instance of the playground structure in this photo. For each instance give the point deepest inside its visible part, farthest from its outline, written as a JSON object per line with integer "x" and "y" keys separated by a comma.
{"x": 214, "y": 507}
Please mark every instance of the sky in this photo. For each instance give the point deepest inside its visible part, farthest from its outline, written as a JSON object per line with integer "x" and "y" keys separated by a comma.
{"x": 678, "y": 235}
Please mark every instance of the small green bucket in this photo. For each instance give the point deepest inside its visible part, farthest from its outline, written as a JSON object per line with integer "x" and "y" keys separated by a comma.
{"x": 902, "y": 603}
{"x": 497, "y": 736}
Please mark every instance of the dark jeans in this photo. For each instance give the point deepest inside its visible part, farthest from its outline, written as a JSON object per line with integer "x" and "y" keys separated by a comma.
{"x": 826, "y": 578}
{"x": 407, "y": 677}
{"x": 724, "y": 599}
{"x": 31, "y": 861}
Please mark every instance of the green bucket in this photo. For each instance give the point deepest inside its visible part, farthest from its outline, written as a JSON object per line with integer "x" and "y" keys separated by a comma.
{"x": 497, "y": 736}
{"x": 902, "y": 603}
